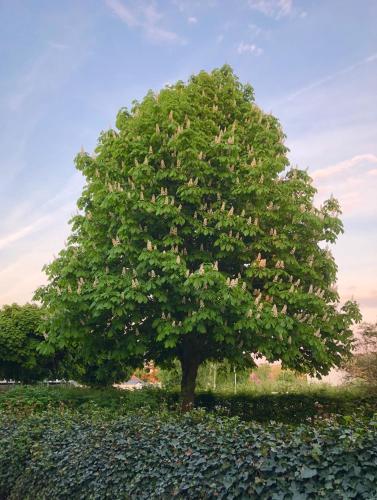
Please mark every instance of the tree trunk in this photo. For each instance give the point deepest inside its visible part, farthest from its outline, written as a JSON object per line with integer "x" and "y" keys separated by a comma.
{"x": 190, "y": 365}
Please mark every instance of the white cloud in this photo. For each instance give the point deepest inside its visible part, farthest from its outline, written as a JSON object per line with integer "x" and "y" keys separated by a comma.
{"x": 52, "y": 213}
{"x": 344, "y": 165}
{"x": 125, "y": 14}
{"x": 145, "y": 17}
{"x": 272, "y": 8}
{"x": 187, "y": 6}
{"x": 315, "y": 145}
{"x": 192, "y": 20}
{"x": 219, "y": 38}
{"x": 24, "y": 231}
{"x": 351, "y": 184}
{"x": 249, "y": 48}
{"x": 371, "y": 58}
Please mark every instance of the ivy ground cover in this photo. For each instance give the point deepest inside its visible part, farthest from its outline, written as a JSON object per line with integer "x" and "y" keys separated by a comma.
{"x": 199, "y": 455}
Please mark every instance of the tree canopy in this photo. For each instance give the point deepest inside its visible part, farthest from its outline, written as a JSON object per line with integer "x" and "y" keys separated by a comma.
{"x": 195, "y": 240}
{"x": 20, "y": 338}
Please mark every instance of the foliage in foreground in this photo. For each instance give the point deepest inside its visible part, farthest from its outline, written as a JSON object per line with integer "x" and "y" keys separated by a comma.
{"x": 195, "y": 241}
{"x": 300, "y": 407}
{"x": 194, "y": 456}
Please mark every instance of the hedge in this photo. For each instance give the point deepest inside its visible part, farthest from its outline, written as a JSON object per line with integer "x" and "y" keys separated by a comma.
{"x": 199, "y": 455}
{"x": 288, "y": 408}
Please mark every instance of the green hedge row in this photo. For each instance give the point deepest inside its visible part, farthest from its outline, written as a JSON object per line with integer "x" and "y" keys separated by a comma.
{"x": 199, "y": 455}
{"x": 288, "y": 408}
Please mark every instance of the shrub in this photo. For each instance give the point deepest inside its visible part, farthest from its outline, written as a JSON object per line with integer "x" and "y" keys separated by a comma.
{"x": 292, "y": 408}
{"x": 35, "y": 399}
{"x": 194, "y": 456}
{"x": 20, "y": 339}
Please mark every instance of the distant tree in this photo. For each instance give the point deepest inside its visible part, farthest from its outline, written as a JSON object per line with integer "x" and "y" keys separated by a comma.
{"x": 19, "y": 341}
{"x": 363, "y": 364}
{"x": 196, "y": 241}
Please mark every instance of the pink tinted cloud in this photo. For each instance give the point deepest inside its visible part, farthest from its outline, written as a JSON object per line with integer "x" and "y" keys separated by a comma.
{"x": 344, "y": 165}
{"x": 352, "y": 182}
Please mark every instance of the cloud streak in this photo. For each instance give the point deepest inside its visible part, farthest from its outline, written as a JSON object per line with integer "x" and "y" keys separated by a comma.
{"x": 318, "y": 83}
{"x": 272, "y": 8}
{"x": 352, "y": 184}
{"x": 24, "y": 231}
{"x": 144, "y": 17}
{"x": 344, "y": 165}
{"x": 56, "y": 208}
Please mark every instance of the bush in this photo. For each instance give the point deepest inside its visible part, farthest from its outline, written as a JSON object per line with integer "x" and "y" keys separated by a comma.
{"x": 192, "y": 456}
{"x": 20, "y": 340}
{"x": 288, "y": 408}
{"x": 25, "y": 400}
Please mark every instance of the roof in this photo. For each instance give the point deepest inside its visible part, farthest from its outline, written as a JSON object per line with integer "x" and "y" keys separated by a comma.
{"x": 134, "y": 381}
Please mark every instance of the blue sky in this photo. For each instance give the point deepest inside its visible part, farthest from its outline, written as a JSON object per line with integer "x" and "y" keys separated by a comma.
{"x": 67, "y": 67}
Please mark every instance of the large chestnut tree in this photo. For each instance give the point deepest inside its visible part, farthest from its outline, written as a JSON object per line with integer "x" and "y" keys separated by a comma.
{"x": 195, "y": 240}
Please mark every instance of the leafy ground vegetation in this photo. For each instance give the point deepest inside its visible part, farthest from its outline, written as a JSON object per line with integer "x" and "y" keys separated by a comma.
{"x": 82, "y": 443}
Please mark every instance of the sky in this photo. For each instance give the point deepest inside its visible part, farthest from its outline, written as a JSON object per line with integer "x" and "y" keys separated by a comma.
{"x": 67, "y": 67}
